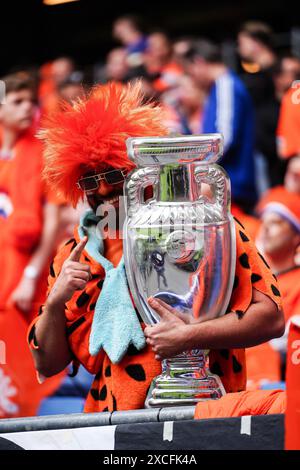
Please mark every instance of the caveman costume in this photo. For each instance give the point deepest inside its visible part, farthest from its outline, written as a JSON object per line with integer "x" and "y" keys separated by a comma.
{"x": 91, "y": 136}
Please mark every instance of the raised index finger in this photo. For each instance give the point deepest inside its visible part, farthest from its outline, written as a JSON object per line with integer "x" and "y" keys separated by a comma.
{"x": 76, "y": 253}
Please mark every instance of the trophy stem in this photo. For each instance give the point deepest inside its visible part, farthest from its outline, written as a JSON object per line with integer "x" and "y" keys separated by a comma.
{"x": 185, "y": 380}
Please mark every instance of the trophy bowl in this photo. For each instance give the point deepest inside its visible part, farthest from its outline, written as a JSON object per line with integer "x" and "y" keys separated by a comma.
{"x": 179, "y": 246}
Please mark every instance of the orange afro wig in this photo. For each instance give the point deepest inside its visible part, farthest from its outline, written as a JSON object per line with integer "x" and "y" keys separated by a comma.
{"x": 90, "y": 134}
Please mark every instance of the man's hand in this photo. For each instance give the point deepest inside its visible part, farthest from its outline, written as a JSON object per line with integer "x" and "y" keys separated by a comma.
{"x": 169, "y": 337}
{"x": 73, "y": 276}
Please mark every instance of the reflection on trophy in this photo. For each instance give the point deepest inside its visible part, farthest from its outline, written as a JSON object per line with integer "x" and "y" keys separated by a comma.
{"x": 179, "y": 246}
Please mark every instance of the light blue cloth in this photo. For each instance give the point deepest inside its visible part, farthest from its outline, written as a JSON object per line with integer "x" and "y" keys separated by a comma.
{"x": 115, "y": 324}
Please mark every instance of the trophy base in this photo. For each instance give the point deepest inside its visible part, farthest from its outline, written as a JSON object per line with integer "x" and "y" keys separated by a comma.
{"x": 185, "y": 381}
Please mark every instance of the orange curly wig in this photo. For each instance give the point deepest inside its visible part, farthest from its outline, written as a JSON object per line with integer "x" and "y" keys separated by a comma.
{"x": 91, "y": 134}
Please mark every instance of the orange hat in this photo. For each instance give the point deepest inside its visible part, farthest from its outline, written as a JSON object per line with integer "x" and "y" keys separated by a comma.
{"x": 91, "y": 134}
{"x": 283, "y": 203}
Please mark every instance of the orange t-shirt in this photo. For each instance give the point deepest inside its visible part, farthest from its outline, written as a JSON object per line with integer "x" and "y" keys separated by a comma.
{"x": 22, "y": 198}
{"x": 292, "y": 417}
{"x": 263, "y": 362}
{"x": 288, "y": 130}
{"x": 289, "y": 286}
{"x": 23, "y": 195}
{"x": 124, "y": 386}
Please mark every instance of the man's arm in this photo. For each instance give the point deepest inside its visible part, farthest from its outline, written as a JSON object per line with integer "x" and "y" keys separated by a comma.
{"x": 52, "y": 353}
{"x": 261, "y": 322}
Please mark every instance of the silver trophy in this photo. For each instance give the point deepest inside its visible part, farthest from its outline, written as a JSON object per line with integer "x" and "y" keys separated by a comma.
{"x": 179, "y": 246}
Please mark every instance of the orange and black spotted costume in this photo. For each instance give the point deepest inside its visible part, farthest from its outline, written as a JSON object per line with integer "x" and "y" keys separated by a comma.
{"x": 124, "y": 386}
{"x": 90, "y": 137}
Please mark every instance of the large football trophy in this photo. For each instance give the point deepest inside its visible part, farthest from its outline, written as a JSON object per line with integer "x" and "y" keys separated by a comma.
{"x": 179, "y": 246}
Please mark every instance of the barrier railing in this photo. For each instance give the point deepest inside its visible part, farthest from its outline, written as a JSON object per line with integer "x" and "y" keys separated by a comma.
{"x": 80, "y": 420}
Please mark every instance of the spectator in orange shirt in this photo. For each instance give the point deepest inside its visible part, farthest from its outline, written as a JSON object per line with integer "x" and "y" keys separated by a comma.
{"x": 288, "y": 131}
{"x": 57, "y": 72}
{"x": 28, "y": 225}
{"x": 28, "y": 221}
{"x": 278, "y": 239}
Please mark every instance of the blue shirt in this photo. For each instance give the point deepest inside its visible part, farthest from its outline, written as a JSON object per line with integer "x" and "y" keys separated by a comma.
{"x": 228, "y": 110}
{"x": 139, "y": 46}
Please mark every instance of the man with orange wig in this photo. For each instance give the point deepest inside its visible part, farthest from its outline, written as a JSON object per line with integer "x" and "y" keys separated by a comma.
{"x": 89, "y": 317}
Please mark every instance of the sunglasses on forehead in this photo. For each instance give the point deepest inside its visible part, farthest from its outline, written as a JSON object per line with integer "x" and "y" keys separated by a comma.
{"x": 91, "y": 183}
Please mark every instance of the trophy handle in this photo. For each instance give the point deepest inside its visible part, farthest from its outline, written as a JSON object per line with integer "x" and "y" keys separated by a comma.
{"x": 135, "y": 187}
{"x": 219, "y": 183}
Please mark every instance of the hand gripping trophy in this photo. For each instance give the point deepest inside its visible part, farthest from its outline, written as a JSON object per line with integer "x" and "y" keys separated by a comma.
{"x": 179, "y": 246}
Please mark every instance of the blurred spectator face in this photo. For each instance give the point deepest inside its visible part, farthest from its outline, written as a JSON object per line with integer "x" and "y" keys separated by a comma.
{"x": 116, "y": 65}
{"x": 181, "y": 47}
{"x": 17, "y": 113}
{"x": 159, "y": 47}
{"x": 255, "y": 45}
{"x": 277, "y": 237}
{"x": 71, "y": 92}
{"x": 124, "y": 31}
{"x": 148, "y": 90}
{"x": 292, "y": 177}
{"x": 247, "y": 47}
{"x": 289, "y": 72}
{"x": 62, "y": 69}
{"x": 190, "y": 96}
{"x": 199, "y": 71}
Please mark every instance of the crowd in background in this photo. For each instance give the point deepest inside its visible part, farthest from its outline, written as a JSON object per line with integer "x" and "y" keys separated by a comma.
{"x": 256, "y": 108}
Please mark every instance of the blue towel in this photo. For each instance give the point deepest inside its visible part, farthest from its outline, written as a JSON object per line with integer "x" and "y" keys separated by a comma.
{"x": 115, "y": 324}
